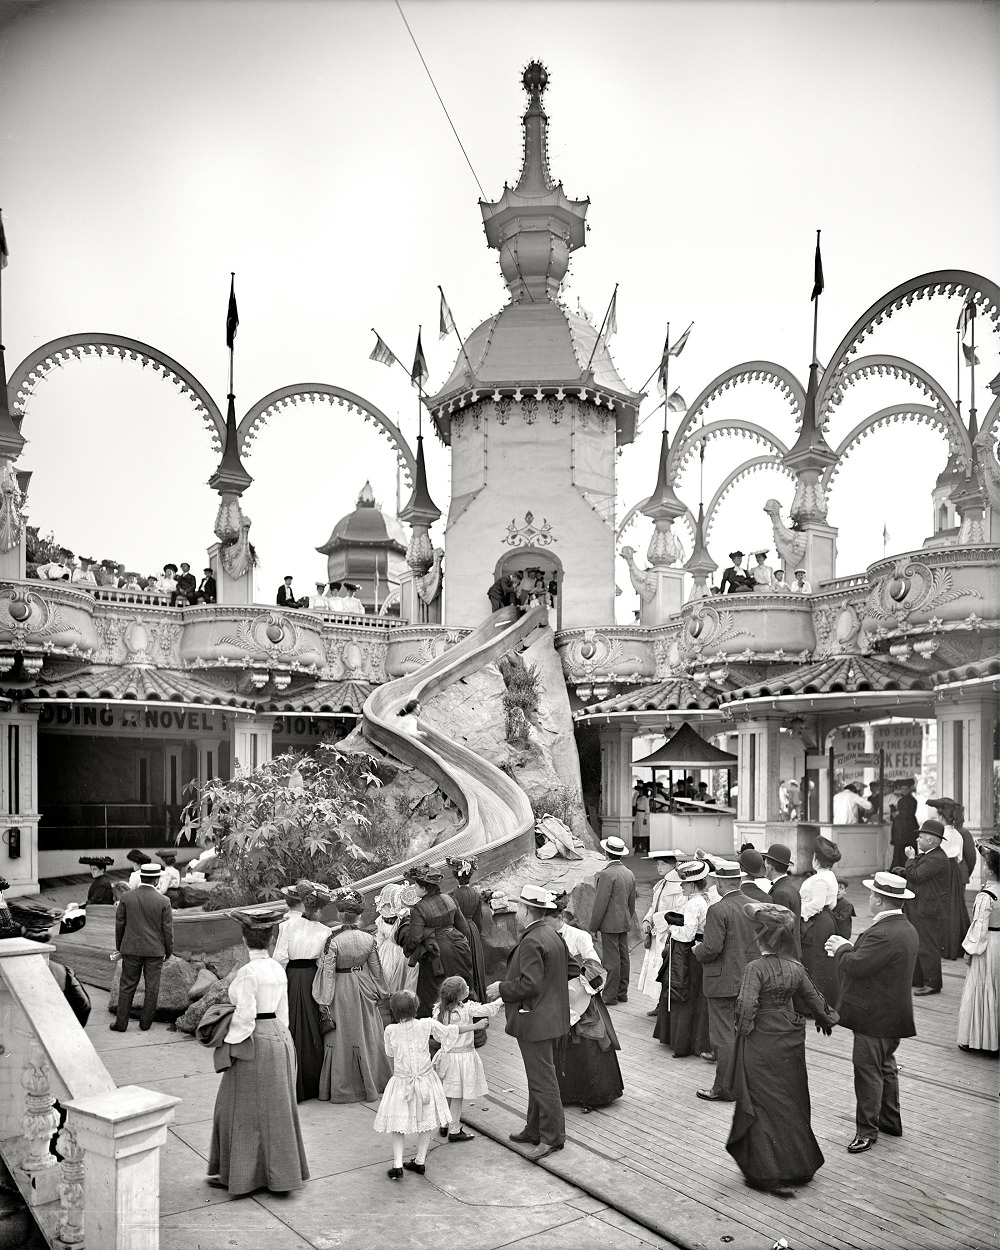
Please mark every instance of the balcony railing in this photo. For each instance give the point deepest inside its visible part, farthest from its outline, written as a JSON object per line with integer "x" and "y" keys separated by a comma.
{"x": 106, "y": 1191}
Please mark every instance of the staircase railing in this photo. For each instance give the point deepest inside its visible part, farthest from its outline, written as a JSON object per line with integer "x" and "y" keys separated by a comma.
{"x": 111, "y": 1139}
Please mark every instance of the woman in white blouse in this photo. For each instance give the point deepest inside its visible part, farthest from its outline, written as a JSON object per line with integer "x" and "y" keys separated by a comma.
{"x": 819, "y": 897}
{"x": 667, "y": 896}
{"x": 682, "y": 1015}
{"x": 256, "y": 1140}
{"x": 300, "y": 943}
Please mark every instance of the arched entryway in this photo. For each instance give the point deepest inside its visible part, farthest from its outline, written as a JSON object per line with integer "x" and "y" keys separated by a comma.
{"x": 541, "y": 578}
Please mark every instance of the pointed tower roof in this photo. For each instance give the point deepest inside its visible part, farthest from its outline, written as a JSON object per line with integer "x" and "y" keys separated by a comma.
{"x": 810, "y": 450}
{"x": 701, "y": 563}
{"x": 230, "y": 477}
{"x": 421, "y": 509}
{"x": 952, "y": 473}
{"x": 11, "y": 439}
{"x": 663, "y": 504}
{"x": 535, "y": 225}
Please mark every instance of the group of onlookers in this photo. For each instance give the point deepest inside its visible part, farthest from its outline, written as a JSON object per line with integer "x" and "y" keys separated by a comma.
{"x": 523, "y": 588}
{"x": 330, "y": 598}
{"x": 739, "y": 580}
{"x": 178, "y": 586}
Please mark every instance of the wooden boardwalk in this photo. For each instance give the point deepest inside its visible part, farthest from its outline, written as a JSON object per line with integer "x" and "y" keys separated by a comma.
{"x": 659, "y": 1155}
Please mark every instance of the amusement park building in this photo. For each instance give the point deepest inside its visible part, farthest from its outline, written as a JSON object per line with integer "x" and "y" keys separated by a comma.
{"x": 111, "y": 701}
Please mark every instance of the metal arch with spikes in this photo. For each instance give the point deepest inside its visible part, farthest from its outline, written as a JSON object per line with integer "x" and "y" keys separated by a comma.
{"x": 767, "y": 371}
{"x": 991, "y": 422}
{"x": 39, "y": 363}
{"x": 717, "y": 430}
{"x": 742, "y": 471}
{"x": 311, "y": 392}
{"x": 947, "y": 282}
{"x": 903, "y": 370}
{"x": 923, "y": 414}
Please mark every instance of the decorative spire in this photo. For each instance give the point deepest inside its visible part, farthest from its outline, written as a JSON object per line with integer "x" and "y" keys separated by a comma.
{"x": 701, "y": 566}
{"x": 534, "y": 226}
{"x": 808, "y": 457}
{"x": 663, "y": 508}
{"x": 11, "y": 439}
{"x": 421, "y": 509}
{"x": 230, "y": 477}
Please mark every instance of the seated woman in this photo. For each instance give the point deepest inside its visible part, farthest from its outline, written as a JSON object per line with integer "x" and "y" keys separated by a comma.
{"x": 101, "y": 890}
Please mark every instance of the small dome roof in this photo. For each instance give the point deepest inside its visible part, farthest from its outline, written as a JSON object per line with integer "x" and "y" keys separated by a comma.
{"x": 366, "y": 526}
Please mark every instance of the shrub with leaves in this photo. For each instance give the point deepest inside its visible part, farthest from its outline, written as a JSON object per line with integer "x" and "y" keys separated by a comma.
{"x": 386, "y": 833}
{"x": 295, "y": 816}
{"x": 559, "y": 802}
{"x": 520, "y": 700}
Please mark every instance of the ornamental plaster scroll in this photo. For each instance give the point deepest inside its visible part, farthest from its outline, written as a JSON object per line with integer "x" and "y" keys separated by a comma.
{"x": 948, "y": 283}
{"x": 643, "y": 580}
{"x": 428, "y": 583}
{"x": 791, "y": 544}
{"x": 313, "y": 392}
{"x": 838, "y": 629}
{"x": 232, "y": 528}
{"x": 27, "y": 621}
{"x": 433, "y": 647}
{"x": 268, "y": 639}
{"x": 529, "y": 534}
{"x": 596, "y": 655}
{"x": 11, "y": 515}
{"x": 913, "y": 586}
{"x": 987, "y": 465}
{"x": 55, "y": 354}
{"x": 353, "y": 658}
{"x": 706, "y": 628}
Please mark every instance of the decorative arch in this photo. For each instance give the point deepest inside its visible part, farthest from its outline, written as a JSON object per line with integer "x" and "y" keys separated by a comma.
{"x": 744, "y": 470}
{"x": 310, "y": 392}
{"x": 766, "y": 371}
{"x": 921, "y": 413}
{"x": 992, "y": 418}
{"x": 718, "y": 429}
{"x": 36, "y": 366}
{"x": 947, "y": 282}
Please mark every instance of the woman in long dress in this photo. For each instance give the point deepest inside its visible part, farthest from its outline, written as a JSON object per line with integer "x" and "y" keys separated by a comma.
{"x": 953, "y": 845}
{"x": 391, "y": 917}
{"x": 819, "y": 898}
{"x": 470, "y": 904}
{"x": 586, "y": 1064}
{"x": 301, "y": 938}
{"x": 979, "y": 1012}
{"x": 667, "y": 896}
{"x": 348, "y": 986}
{"x": 771, "y": 1136}
{"x": 437, "y": 937}
{"x": 682, "y": 1014}
{"x": 256, "y": 1141}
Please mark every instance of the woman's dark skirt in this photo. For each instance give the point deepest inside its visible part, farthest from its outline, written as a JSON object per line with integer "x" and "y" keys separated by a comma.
{"x": 682, "y": 1023}
{"x": 771, "y": 1137}
{"x": 303, "y": 1024}
{"x": 256, "y": 1140}
{"x": 455, "y": 961}
{"x": 821, "y": 968}
{"x": 957, "y": 924}
{"x": 589, "y": 1076}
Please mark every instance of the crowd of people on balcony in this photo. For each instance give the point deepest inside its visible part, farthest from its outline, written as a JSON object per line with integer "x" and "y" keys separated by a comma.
{"x": 525, "y": 588}
{"x": 175, "y": 584}
{"x": 331, "y": 598}
{"x": 762, "y": 577}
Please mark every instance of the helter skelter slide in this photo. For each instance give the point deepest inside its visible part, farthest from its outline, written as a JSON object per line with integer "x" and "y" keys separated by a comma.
{"x": 496, "y": 811}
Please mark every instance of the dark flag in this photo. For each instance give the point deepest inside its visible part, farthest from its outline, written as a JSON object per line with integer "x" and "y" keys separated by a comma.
{"x": 3, "y": 245}
{"x": 817, "y": 272}
{"x": 418, "y": 374}
{"x": 232, "y": 316}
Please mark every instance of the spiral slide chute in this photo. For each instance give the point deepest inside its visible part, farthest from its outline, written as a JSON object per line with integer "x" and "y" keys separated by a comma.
{"x": 496, "y": 810}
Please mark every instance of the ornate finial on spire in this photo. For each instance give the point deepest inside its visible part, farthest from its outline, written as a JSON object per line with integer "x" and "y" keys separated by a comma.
{"x": 663, "y": 508}
{"x": 534, "y": 225}
{"x": 366, "y": 499}
{"x": 230, "y": 478}
{"x": 808, "y": 458}
{"x": 420, "y": 513}
{"x": 701, "y": 565}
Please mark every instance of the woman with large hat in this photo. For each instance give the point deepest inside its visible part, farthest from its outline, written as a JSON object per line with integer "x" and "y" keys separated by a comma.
{"x": 301, "y": 938}
{"x": 667, "y": 897}
{"x": 960, "y": 849}
{"x": 348, "y": 986}
{"x": 256, "y": 1140}
{"x": 437, "y": 938}
{"x": 771, "y": 1137}
{"x": 819, "y": 897}
{"x": 101, "y": 890}
{"x": 391, "y": 919}
{"x": 979, "y": 1013}
{"x": 470, "y": 904}
{"x": 682, "y": 1014}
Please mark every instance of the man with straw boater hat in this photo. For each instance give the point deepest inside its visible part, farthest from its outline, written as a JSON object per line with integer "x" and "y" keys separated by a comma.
{"x": 144, "y": 935}
{"x": 612, "y": 914}
{"x": 536, "y": 993}
{"x": 875, "y": 972}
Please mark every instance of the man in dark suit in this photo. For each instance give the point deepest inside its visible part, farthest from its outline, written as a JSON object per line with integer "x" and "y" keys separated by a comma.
{"x": 929, "y": 874}
{"x": 784, "y": 891}
{"x": 612, "y": 915}
{"x": 207, "y": 591}
{"x": 728, "y": 946}
{"x": 285, "y": 597}
{"x": 536, "y": 992}
{"x": 876, "y": 1003}
{"x": 144, "y": 935}
{"x": 752, "y": 872}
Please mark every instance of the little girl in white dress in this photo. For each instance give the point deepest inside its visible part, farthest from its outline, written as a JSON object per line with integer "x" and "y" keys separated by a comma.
{"x": 414, "y": 1100}
{"x": 459, "y": 1067}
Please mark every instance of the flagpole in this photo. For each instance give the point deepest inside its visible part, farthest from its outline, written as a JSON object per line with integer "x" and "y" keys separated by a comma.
{"x": 958, "y": 369}
{"x": 420, "y": 391}
{"x": 454, "y": 326}
{"x": 666, "y": 379}
{"x": 972, "y": 365}
{"x": 601, "y": 331}
{"x": 232, "y": 345}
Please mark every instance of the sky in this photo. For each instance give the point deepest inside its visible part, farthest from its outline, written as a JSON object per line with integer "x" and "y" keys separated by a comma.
{"x": 150, "y": 147}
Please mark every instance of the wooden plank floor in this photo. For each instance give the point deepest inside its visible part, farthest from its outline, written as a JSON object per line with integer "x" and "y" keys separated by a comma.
{"x": 663, "y": 1149}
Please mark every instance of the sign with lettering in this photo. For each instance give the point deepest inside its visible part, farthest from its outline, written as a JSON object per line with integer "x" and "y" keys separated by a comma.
{"x": 902, "y": 742}
{"x": 134, "y": 722}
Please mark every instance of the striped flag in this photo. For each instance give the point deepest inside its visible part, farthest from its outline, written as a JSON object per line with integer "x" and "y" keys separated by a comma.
{"x": 966, "y": 316}
{"x": 381, "y": 352}
{"x": 447, "y": 320}
{"x": 418, "y": 374}
{"x": 232, "y": 316}
{"x": 679, "y": 346}
{"x": 3, "y": 245}
{"x": 818, "y": 283}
